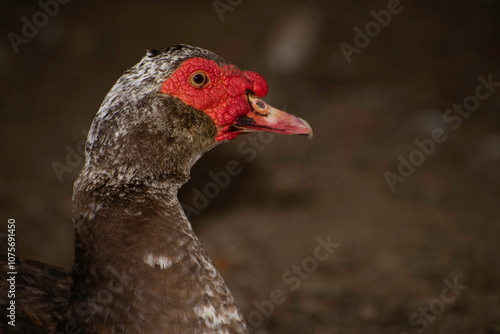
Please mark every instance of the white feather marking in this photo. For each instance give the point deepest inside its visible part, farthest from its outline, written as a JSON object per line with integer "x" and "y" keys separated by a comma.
{"x": 210, "y": 316}
{"x": 214, "y": 319}
{"x": 162, "y": 261}
{"x": 209, "y": 291}
{"x": 131, "y": 213}
{"x": 93, "y": 208}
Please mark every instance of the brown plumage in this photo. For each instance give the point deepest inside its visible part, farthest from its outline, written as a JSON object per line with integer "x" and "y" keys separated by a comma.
{"x": 42, "y": 293}
{"x": 139, "y": 267}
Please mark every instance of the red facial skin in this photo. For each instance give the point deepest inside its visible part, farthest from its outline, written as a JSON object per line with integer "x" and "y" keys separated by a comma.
{"x": 223, "y": 97}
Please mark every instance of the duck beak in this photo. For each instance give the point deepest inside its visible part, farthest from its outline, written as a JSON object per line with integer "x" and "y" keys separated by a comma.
{"x": 263, "y": 117}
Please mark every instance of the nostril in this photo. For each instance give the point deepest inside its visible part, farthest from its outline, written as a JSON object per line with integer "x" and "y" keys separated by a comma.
{"x": 261, "y": 105}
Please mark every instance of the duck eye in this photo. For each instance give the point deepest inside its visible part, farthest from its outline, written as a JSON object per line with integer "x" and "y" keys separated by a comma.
{"x": 199, "y": 79}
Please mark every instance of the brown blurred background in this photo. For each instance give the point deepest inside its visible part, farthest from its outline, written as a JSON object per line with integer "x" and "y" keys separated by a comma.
{"x": 397, "y": 248}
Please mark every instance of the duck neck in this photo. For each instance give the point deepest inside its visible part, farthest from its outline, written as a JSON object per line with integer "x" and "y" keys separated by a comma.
{"x": 139, "y": 267}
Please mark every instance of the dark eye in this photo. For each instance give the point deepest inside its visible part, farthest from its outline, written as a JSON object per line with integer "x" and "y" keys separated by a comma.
{"x": 199, "y": 79}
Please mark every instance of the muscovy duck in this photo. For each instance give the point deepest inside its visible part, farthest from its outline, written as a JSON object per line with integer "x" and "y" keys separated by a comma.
{"x": 139, "y": 267}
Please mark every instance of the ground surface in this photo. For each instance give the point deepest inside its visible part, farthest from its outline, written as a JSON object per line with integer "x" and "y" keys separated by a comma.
{"x": 399, "y": 250}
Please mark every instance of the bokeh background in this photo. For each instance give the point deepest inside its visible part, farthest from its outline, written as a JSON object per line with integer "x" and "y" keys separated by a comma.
{"x": 396, "y": 248}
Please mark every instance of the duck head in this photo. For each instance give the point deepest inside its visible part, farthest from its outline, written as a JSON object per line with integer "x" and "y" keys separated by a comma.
{"x": 174, "y": 105}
